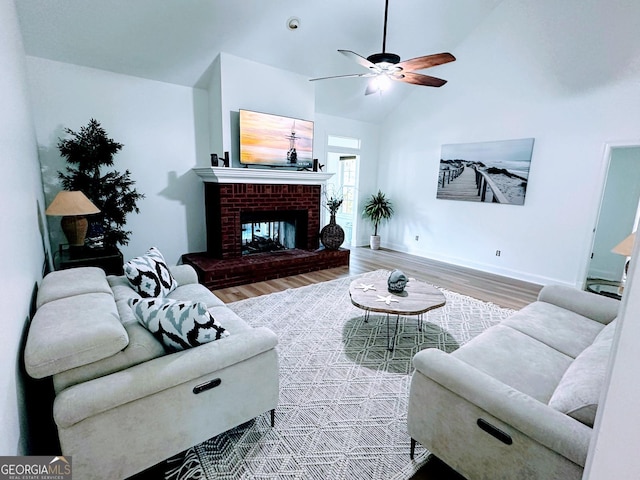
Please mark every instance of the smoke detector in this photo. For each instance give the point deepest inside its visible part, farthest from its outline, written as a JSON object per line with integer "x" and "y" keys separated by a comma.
{"x": 293, "y": 23}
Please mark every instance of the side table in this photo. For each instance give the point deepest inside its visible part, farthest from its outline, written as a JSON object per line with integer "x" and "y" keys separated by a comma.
{"x": 606, "y": 287}
{"x": 109, "y": 259}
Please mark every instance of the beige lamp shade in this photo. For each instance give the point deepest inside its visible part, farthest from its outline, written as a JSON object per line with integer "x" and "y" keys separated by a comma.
{"x": 625, "y": 247}
{"x": 71, "y": 203}
{"x": 72, "y": 206}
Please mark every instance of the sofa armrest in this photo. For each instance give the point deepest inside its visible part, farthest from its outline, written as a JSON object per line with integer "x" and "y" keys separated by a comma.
{"x": 101, "y": 394}
{"x": 596, "y": 307}
{"x": 534, "y": 419}
{"x": 184, "y": 274}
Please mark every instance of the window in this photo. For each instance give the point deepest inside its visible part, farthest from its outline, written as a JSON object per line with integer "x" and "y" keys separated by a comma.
{"x": 343, "y": 142}
{"x": 347, "y": 174}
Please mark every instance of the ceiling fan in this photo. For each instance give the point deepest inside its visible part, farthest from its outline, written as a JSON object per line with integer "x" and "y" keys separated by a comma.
{"x": 387, "y": 66}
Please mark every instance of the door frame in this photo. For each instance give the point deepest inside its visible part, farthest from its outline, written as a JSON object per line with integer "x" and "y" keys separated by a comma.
{"x": 606, "y": 163}
{"x": 343, "y": 151}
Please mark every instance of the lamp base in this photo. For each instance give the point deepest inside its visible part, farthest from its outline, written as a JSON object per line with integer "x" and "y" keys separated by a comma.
{"x": 75, "y": 229}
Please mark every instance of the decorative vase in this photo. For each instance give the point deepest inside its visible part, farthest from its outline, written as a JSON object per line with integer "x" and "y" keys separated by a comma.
{"x": 332, "y": 235}
{"x": 374, "y": 242}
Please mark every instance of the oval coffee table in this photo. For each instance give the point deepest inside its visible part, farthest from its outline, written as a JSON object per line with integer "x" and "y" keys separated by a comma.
{"x": 370, "y": 293}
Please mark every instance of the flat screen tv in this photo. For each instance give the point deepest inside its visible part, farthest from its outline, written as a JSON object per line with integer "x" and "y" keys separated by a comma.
{"x": 275, "y": 141}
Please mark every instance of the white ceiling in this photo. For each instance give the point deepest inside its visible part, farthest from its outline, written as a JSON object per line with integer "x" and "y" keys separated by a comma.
{"x": 175, "y": 41}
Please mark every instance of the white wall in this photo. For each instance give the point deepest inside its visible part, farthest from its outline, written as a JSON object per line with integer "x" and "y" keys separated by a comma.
{"x": 214, "y": 91}
{"x": 562, "y": 73}
{"x": 161, "y": 128}
{"x": 22, "y": 252}
{"x": 249, "y": 85}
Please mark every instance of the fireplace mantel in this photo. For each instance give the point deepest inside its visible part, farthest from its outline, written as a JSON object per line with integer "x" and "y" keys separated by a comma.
{"x": 261, "y": 176}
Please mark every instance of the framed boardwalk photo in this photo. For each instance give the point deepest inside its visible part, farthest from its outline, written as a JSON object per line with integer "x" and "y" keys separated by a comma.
{"x": 496, "y": 172}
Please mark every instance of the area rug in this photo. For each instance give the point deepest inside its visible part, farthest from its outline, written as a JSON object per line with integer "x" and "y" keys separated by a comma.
{"x": 343, "y": 394}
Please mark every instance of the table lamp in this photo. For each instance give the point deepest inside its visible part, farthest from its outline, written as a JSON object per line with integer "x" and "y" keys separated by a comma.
{"x": 73, "y": 206}
{"x": 625, "y": 247}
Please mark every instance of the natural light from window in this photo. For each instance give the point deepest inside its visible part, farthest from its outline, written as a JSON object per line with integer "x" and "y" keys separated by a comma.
{"x": 348, "y": 177}
{"x": 343, "y": 142}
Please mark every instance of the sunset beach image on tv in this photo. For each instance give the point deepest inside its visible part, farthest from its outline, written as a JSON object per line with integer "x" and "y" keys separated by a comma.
{"x": 274, "y": 140}
{"x": 496, "y": 172}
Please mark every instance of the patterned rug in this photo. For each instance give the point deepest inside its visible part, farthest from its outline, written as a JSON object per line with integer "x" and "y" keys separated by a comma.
{"x": 343, "y": 395}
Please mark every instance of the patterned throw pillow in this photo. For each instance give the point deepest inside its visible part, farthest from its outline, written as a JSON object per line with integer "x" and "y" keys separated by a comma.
{"x": 177, "y": 324}
{"x": 149, "y": 275}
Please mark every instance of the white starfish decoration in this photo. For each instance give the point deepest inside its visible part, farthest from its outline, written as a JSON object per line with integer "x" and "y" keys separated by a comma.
{"x": 366, "y": 287}
{"x": 388, "y": 299}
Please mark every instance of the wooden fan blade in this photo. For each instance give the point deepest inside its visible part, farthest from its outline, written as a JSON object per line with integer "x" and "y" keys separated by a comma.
{"x": 344, "y": 76}
{"x": 359, "y": 59}
{"x": 419, "y": 79}
{"x": 427, "y": 61}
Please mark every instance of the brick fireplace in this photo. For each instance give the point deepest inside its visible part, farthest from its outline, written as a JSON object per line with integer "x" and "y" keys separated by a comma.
{"x": 226, "y": 205}
{"x": 235, "y": 199}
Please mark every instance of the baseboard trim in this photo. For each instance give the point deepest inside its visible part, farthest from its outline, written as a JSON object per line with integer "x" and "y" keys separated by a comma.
{"x": 464, "y": 262}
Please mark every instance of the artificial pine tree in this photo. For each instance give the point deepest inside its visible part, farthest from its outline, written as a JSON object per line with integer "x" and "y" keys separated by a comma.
{"x": 87, "y": 152}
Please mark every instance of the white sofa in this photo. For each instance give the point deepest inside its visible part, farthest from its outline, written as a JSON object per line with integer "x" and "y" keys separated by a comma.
{"x": 519, "y": 400}
{"x": 122, "y": 404}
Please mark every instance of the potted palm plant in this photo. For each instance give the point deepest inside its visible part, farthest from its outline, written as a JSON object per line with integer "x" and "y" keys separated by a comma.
{"x": 377, "y": 209}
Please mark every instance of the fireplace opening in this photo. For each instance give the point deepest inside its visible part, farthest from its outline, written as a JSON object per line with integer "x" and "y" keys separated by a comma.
{"x": 259, "y": 237}
{"x": 263, "y": 232}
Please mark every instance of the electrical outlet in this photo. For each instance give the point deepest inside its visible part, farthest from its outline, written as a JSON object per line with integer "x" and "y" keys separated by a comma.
{"x": 497, "y": 253}
{"x": 417, "y": 237}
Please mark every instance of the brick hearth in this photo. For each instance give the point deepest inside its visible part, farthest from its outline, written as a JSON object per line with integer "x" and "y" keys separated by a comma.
{"x": 223, "y": 264}
{"x": 215, "y": 273}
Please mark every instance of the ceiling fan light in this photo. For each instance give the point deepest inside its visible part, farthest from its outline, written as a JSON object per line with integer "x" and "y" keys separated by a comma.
{"x": 380, "y": 83}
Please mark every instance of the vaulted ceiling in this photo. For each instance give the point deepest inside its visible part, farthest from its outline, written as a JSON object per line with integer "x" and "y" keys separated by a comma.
{"x": 175, "y": 41}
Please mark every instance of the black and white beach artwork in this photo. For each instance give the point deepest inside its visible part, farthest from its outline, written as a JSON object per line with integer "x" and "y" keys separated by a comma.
{"x": 496, "y": 172}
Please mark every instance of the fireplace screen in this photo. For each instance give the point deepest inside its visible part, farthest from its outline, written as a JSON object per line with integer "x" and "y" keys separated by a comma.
{"x": 260, "y": 237}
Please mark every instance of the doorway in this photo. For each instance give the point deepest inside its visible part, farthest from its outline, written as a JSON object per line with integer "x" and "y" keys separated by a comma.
{"x": 345, "y": 168}
{"x": 618, "y": 215}
{"x": 343, "y": 159}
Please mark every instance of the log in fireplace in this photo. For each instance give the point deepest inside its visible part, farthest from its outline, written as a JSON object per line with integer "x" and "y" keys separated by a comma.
{"x": 272, "y": 231}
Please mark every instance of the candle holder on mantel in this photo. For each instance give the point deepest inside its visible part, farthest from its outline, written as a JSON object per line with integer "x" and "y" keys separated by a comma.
{"x": 215, "y": 160}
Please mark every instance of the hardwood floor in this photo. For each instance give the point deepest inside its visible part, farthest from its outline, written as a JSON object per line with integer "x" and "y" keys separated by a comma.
{"x": 503, "y": 291}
